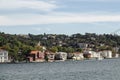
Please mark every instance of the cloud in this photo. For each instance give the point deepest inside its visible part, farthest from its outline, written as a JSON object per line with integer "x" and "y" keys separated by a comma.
{"x": 30, "y": 4}
{"x": 54, "y": 18}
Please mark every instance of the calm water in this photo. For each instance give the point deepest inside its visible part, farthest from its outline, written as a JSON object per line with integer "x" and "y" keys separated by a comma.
{"x": 108, "y": 69}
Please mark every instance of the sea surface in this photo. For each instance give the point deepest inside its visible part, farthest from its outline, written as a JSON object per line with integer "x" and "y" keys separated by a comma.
{"x": 108, "y": 69}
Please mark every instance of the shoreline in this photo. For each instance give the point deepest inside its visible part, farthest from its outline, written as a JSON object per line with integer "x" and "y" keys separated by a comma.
{"x": 69, "y": 60}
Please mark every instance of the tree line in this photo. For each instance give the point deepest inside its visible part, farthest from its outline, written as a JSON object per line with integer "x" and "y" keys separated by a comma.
{"x": 19, "y": 46}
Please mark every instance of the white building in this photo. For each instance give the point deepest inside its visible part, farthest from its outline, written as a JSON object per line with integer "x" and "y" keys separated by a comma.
{"x": 78, "y": 56}
{"x": 106, "y": 54}
{"x": 3, "y": 56}
{"x": 61, "y": 56}
{"x": 82, "y": 45}
{"x": 92, "y": 53}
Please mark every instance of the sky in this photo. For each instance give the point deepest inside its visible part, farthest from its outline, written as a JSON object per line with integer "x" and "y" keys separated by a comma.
{"x": 59, "y": 16}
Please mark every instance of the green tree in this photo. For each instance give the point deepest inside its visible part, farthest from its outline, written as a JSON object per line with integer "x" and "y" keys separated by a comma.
{"x": 39, "y": 48}
{"x": 79, "y": 50}
{"x": 70, "y": 50}
{"x": 54, "y": 49}
{"x": 13, "y": 55}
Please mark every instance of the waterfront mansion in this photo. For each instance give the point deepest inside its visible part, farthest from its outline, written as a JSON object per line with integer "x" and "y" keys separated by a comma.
{"x": 3, "y": 56}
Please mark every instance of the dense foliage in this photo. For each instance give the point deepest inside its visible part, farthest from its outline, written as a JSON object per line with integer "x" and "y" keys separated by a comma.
{"x": 20, "y": 45}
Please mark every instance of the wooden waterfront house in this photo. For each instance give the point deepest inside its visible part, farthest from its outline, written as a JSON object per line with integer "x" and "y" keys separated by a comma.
{"x": 3, "y": 56}
{"x": 70, "y": 55}
{"x": 36, "y": 56}
{"x": 92, "y": 54}
{"x": 61, "y": 56}
{"x": 87, "y": 55}
{"x": 49, "y": 56}
{"x": 106, "y": 53}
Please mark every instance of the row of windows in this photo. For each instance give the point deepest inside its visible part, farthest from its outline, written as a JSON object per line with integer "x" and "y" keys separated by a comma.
{"x": 5, "y": 54}
{"x": 3, "y": 57}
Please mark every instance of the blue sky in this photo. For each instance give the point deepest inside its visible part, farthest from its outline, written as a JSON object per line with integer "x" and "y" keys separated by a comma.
{"x": 59, "y": 16}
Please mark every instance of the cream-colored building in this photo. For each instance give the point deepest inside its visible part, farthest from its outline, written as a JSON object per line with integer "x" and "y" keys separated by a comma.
{"x": 92, "y": 53}
{"x": 106, "y": 54}
{"x": 78, "y": 56}
{"x": 3, "y": 56}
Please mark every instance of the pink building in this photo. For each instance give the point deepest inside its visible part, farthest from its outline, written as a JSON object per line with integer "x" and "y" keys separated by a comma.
{"x": 36, "y": 56}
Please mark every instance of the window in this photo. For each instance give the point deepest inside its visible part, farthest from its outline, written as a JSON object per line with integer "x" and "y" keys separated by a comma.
{"x": 1, "y": 53}
{"x": 38, "y": 55}
{"x": 5, "y": 54}
{"x": 5, "y": 57}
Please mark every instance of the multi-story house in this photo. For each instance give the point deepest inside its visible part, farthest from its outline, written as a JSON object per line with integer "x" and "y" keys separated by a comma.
{"x": 3, "y": 56}
{"x": 36, "y": 56}
{"x": 82, "y": 45}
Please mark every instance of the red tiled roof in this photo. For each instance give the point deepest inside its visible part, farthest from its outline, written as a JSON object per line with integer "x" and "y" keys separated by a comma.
{"x": 34, "y": 52}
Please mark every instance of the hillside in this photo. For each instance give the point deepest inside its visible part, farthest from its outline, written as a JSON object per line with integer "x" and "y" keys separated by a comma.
{"x": 22, "y": 44}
